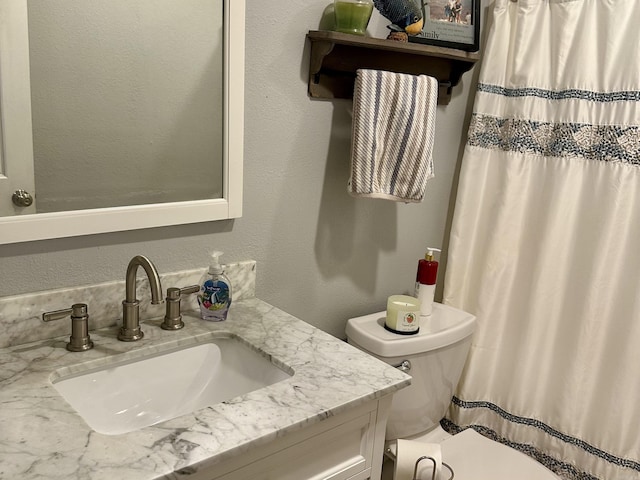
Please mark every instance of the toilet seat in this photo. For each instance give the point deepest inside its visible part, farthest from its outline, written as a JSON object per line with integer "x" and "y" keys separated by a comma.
{"x": 474, "y": 457}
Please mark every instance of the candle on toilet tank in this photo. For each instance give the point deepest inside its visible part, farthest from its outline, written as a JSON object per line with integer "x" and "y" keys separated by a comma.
{"x": 403, "y": 314}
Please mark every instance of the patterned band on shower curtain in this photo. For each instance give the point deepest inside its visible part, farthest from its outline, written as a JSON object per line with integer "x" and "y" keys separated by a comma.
{"x": 545, "y": 242}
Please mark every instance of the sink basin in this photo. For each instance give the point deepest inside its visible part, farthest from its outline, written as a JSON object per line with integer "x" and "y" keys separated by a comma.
{"x": 128, "y": 395}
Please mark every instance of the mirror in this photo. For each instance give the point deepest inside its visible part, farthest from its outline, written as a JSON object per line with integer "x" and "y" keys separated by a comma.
{"x": 131, "y": 119}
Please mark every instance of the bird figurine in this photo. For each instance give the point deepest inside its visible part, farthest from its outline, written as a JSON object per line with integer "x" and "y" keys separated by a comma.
{"x": 405, "y": 15}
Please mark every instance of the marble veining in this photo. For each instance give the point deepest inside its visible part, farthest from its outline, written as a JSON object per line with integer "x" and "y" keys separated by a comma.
{"x": 21, "y": 315}
{"x": 41, "y": 436}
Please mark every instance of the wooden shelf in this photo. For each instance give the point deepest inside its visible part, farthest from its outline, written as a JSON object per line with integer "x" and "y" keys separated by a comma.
{"x": 335, "y": 57}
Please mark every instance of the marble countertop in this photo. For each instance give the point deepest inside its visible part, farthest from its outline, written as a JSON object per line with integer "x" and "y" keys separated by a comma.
{"x": 41, "y": 436}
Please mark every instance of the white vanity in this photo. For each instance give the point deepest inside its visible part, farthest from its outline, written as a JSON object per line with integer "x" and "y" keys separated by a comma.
{"x": 324, "y": 420}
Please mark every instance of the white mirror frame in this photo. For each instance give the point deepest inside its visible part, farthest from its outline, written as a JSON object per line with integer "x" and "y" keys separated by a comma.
{"x": 41, "y": 226}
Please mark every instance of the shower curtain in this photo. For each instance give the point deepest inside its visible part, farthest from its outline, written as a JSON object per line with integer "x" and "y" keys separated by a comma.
{"x": 545, "y": 241}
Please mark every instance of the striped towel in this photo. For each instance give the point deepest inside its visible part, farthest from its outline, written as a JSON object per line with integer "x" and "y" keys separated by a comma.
{"x": 392, "y": 135}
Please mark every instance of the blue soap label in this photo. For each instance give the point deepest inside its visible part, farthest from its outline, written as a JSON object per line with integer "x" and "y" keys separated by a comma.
{"x": 214, "y": 295}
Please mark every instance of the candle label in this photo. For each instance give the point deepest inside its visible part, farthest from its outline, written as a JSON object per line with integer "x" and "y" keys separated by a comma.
{"x": 407, "y": 321}
{"x": 403, "y": 315}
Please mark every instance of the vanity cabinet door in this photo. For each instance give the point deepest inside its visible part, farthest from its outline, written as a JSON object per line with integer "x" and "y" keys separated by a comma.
{"x": 342, "y": 453}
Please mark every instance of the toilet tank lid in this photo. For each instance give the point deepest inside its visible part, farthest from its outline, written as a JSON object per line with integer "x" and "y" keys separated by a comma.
{"x": 447, "y": 325}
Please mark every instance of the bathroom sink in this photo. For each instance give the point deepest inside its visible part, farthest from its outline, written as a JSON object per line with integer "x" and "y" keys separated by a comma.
{"x": 125, "y": 396}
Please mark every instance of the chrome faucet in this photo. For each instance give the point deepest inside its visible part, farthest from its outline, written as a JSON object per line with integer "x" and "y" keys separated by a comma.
{"x": 130, "y": 330}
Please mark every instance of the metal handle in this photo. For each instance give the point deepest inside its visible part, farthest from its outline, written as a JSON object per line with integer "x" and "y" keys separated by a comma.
{"x": 79, "y": 341}
{"x": 433, "y": 475}
{"x": 173, "y": 318}
{"x": 22, "y": 198}
{"x": 175, "y": 293}
{"x": 404, "y": 366}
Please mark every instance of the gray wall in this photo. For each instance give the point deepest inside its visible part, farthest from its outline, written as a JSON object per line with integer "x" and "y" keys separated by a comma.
{"x": 322, "y": 255}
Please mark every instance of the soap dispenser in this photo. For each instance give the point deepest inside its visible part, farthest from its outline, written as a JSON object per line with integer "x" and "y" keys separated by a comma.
{"x": 215, "y": 292}
{"x": 426, "y": 282}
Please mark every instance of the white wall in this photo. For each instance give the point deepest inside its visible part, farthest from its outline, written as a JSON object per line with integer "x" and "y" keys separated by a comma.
{"x": 322, "y": 255}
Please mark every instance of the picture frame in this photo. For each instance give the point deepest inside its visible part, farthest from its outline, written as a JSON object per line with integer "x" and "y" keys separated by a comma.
{"x": 450, "y": 23}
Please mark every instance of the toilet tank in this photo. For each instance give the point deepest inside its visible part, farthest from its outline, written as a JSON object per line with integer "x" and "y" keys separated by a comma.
{"x": 437, "y": 354}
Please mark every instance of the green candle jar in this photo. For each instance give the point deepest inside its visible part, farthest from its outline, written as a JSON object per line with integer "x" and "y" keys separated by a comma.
{"x": 352, "y": 16}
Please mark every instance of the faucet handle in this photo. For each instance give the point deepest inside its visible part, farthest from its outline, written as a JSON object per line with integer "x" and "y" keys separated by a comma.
{"x": 79, "y": 341}
{"x": 173, "y": 318}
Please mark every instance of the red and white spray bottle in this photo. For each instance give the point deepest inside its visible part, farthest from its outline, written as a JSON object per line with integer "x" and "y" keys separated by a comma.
{"x": 426, "y": 282}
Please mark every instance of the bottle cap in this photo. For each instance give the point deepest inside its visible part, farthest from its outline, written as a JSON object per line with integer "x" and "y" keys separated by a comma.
{"x": 429, "y": 254}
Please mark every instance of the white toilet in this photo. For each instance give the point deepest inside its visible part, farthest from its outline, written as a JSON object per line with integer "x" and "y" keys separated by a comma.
{"x": 435, "y": 357}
